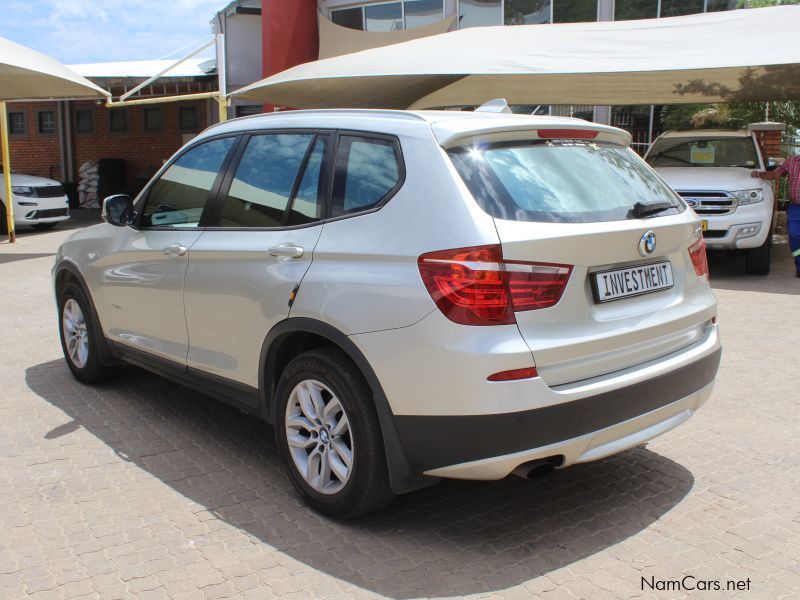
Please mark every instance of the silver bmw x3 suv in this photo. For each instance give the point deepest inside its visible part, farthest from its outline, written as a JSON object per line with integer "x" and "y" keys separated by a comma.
{"x": 405, "y": 296}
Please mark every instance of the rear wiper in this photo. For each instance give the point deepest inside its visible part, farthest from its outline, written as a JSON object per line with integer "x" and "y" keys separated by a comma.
{"x": 644, "y": 209}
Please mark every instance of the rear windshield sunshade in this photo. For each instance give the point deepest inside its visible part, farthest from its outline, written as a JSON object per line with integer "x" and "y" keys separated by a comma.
{"x": 561, "y": 181}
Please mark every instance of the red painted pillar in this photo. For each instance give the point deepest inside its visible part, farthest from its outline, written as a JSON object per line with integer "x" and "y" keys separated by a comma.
{"x": 289, "y": 35}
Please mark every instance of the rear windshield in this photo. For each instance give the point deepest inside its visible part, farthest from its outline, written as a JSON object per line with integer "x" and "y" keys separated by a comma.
{"x": 565, "y": 181}
{"x": 703, "y": 152}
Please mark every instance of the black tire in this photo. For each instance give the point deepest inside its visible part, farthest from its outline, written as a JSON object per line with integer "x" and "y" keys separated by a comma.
{"x": 367, "y": 488}
{"x": 45, "y": 226}
{"x": 93, "y": 371}
{"x": 757, "y": 260}
{"x": 3, "y": 218}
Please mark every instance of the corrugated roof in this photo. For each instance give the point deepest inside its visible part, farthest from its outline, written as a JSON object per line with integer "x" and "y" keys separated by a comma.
{"x": 193, "y": 67}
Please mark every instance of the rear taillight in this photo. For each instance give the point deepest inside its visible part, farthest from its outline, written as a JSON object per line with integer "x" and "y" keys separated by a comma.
{"x": 697, "y": 252}
{"x": 475, "y": 286}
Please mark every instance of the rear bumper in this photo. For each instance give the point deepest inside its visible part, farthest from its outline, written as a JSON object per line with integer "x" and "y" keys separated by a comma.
{"x": 588, "y": 447}
{"x": 491, "y": 446}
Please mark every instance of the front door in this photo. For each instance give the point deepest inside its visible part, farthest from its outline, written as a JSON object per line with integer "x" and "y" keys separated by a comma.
{"x": 143, "y": 279}
{"x": 255, "y": 252}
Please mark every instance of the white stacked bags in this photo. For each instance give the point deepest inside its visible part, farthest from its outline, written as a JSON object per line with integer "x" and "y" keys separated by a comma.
{"x": 87, "y": 187}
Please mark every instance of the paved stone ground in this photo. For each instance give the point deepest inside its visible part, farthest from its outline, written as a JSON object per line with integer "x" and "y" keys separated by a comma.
{"x": 142, "y": 489}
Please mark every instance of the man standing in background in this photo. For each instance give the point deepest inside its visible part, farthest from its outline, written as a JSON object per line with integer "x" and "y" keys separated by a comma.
{"x": 791, "y": 168}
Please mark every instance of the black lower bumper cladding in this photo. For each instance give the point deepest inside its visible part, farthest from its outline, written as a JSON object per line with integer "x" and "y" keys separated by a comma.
{"x": 430, "y": 442}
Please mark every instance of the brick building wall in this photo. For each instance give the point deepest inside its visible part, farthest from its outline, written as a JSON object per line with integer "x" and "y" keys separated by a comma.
{"x": 35, "y": 153}
{"x": 144, "y": 151}
{"x": 771, "y": 143}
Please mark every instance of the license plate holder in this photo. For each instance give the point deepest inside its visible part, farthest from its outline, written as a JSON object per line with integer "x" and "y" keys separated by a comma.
{"x": 628, "y": 282}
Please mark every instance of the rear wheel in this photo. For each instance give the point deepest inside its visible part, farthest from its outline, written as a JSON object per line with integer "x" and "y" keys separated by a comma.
{"x": 78, "y": 336}
{"x": 328, "y": 435}
{"x": 757, "y": 259}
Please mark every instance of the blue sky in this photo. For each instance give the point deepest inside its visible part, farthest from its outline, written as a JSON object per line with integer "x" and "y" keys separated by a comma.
{"x": 87, "y": 31}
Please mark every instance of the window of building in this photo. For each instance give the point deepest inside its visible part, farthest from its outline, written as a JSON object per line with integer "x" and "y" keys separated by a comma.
{"x": 479, "y": 13}
{"x": 152, "y": 119}
{"x": 46, "y": 121}
{"x": 117, "y": 120}
{"x": 84, "y": 121}
{"x": 352, "y": 18}
{"x": 384, "y": 17}
{"x": 574, "y": 11}
{"x": 187, "y": 118}
{"x": 261, "y": 189}
{"x": 423, "y": 12}
{"x": 367, "y": 170}
{"x": 245, "y": 110}
{"x": 16, "y": 123}
{"x": 676, "y": 8}
{"x": 178, "y": 197}
{"x": 527, "y": 12}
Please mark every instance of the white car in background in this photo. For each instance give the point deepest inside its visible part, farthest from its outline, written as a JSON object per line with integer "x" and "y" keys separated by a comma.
{"x": 711, "y": 170}
{"x": 38, "y": 201}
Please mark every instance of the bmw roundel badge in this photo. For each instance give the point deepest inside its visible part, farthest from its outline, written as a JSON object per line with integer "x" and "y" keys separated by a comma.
{"x": 647, "y": 245}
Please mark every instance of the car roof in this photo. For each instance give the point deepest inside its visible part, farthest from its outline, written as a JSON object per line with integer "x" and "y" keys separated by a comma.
{"x": 448, "y": 125}
{"x": 699, "y": 133}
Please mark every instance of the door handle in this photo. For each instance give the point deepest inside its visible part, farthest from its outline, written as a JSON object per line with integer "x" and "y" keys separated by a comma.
{"x": 287, "y": 250}
{"x": 175, "y": 250}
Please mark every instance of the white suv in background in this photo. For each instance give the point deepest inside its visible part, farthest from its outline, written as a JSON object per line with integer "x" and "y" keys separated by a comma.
{"x": 711, "y": 170}
{"x": 38, "y": 201}
{"x": 406, "y": 296}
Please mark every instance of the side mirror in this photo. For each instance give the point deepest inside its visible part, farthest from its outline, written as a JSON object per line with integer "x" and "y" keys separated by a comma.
{"x": 772, "y": 163}
{"x": 118, "y": 210}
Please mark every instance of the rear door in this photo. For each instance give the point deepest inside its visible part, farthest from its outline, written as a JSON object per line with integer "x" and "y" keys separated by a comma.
{"x": 633, "y": 294}
{"x": 258, "y": 246}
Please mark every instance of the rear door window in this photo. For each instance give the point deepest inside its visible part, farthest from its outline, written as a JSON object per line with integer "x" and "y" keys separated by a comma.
{"x": 307, "y": 204}
{"x": 569, "y": 181}
{"x": 368, "y": 171}
{"x": 265, "y": 178}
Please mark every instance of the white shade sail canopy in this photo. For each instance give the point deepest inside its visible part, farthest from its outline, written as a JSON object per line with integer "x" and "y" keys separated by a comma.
{"x": 741, "y": 55}
{"x": 27, "y": 74}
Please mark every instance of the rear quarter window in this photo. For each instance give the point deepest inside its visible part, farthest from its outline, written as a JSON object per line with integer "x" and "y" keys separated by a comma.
{"x": 368, "y": 171}
{"x": 572, "y": 181}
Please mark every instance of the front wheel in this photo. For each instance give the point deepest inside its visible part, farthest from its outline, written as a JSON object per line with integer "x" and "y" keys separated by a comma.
{"x": 78, "y": 339}
{"x": 757, "y": 259}
{"x": 328, "y": 435}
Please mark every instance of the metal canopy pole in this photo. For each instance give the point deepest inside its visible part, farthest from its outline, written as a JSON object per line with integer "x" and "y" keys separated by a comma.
{"x": 150, "y": 80}
{"x": 221, "y": 79}
{"x": 12, "y": 236}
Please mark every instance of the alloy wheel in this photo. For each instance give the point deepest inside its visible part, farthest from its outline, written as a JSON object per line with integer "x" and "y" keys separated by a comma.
{"x": 76, "y": 337}
{"x": 319, "y": 437}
